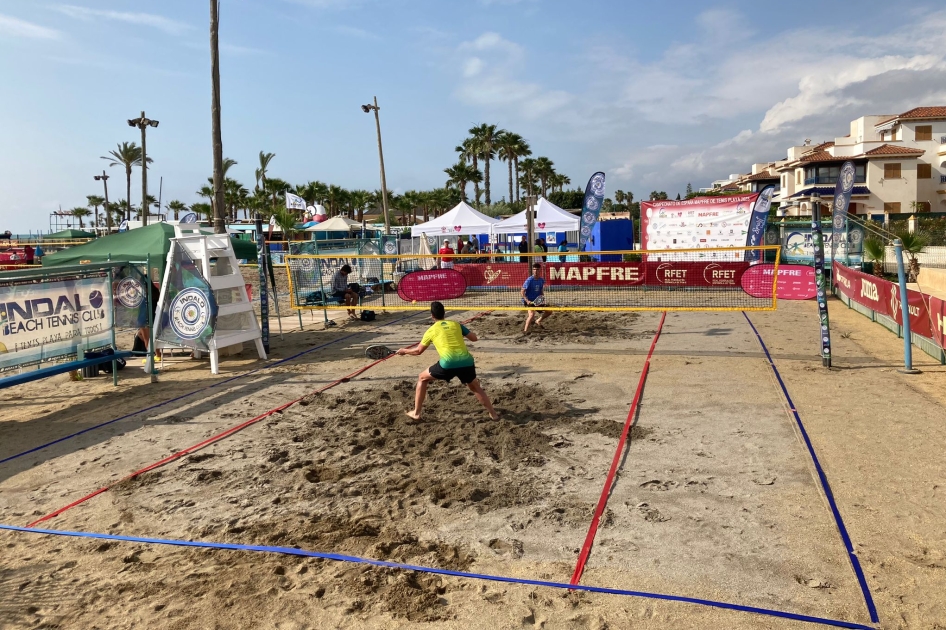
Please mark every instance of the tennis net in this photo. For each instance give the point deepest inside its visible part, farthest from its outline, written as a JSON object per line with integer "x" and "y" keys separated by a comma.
{"x": 719, "y": 279}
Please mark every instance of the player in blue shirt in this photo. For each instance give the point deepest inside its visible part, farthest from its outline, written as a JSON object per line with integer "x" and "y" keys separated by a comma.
{"x": 532, "y": 289}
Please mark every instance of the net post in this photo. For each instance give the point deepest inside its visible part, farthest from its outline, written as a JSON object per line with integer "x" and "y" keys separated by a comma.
{"x": 818, "y": 243}
{"x": 904, "y": 311}
{"x": 151, "y": 352}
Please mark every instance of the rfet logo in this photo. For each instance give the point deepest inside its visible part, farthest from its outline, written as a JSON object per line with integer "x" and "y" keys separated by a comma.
{"x": 667, "y": 273}
{"x": 715, "y": 274}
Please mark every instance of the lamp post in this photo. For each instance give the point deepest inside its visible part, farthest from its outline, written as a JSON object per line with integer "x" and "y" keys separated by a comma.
{"x": 143, "y": 123}
{"x": 108, "y": 217}
{"x": 384, "y": 185}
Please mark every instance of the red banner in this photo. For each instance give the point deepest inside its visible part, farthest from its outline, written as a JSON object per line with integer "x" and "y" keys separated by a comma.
{"x": 938, "y": 320}
{"x": 668, "y": 273}
{"x": 795, "y": 282}
{"x": 883, "y": 296}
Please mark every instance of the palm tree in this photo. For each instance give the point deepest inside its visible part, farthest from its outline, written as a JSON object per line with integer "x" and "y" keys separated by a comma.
{"x": 619, "y": 196}
{"x": 94, "y": 202}
{"x": 128, "y": 154}
{"x": 913, "y": 244}
{"x": 508, "y": 150}
{"x": 522, "y": 151}
{"x": 459, "y": 175}
{"x": 79, "y": 212}
{"x": 875, "y": 250}
{"x": 275, "y": 187}
{"x": 528, "y": 175}
{"x": 469, "y": 151}
{"x": 203, "y": 210}
{"x": 358, "y": 200}
{"x": 220, "y": 226}
{"x": 176, "y": 207}
{"x": 487, "y": 139}
{"x": 286, "y": 222}
{"x": 544, "y": 170}
{"x": 559, "y": 181}
{"x": 264, "y": 160}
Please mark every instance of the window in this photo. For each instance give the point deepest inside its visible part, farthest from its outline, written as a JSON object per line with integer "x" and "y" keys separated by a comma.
{"x": 892, "y": 171}
{"x": 924, "y": 171}
{"x": 829, "y": 174}
{"x": 924, "y": 132}
{"x": 892, "y": 208}
{"x": 921, "y": 206}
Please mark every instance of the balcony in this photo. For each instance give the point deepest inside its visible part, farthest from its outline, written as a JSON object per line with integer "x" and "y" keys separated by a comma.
{"x": 831, "y": 179}
{"x": 942, "y": 179}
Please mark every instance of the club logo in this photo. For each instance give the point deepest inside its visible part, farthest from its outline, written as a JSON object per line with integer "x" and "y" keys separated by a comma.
{"x": 597, "y": 184}
{"x": 847, "y": 177}
{"x": 129, "y": 293}
{"x": 390, "y": 247}
{"x": 189, "y": 313}
{"x": 491, "y": 274}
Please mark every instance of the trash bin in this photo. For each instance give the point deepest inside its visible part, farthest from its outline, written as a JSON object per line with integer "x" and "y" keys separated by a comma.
{"x": 90, "y": 371}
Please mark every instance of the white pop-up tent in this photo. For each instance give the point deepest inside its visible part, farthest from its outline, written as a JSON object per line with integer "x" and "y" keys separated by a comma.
{"x": 463, "y": 219}
{"x": 335, "y": 224}
{"x": 549, "y": 218}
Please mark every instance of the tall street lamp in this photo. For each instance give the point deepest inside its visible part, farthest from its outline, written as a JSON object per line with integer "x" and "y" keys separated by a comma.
{"x": 143, "y": 123}
{"x": 384, "y": 185}
{"x": 108, "y": 217}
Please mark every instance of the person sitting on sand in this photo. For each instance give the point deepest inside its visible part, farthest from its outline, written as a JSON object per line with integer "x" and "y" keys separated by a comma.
{"x": 532, "y": 288}
{"x": 342, "y": 292}
{"x": 455, "y": 360}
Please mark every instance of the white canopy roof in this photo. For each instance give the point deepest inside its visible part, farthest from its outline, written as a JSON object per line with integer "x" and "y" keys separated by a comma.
{"x": 549, "y": 218}
{"x": 463, "y": 219}
{"x": 335, "y": 224}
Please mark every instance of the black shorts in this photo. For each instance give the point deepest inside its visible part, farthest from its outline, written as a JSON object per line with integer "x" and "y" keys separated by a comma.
{"x": 466, "y": 374}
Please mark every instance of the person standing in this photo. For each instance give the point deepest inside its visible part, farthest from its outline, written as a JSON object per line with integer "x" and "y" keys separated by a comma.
{"x": 455, "y": 360}
{"x": 523, "y": 249}
{"x": 562, "y": 247}
{"x": 532, "y": 288}
{"x": 446, "y": 252}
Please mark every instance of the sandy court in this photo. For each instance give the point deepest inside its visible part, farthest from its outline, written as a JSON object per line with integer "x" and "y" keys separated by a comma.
{"x": 716, "y": 497}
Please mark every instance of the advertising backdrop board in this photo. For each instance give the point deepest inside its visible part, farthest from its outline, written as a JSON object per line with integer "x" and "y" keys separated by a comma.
{"x": 698, "y": 223}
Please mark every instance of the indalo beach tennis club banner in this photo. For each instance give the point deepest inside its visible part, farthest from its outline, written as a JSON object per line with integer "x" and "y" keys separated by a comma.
{"x": 40, "y": 321}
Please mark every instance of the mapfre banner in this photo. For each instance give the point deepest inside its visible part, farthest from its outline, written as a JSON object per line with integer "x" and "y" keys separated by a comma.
{"x": 883, "y": 297}
{"x": 48, "y": 320}
{"x": 698, "y": 223}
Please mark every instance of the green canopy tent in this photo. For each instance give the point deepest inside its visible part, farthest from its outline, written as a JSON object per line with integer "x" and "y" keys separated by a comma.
{"x": 135, "y": 245}
{"x": 65, "y": 234}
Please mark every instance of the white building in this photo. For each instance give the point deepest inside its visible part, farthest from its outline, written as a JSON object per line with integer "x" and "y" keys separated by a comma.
{"x": 900, "y": 166}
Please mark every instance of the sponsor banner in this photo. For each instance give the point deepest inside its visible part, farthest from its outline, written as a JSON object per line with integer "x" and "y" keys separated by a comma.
{"x": 883, "y": 296}
{"x": 795, "y": 282}
{"x": 190, "y": 217}
{"x": 696, "y": 274}
{"x": 188, "y": 308}
{"x": 433, "y": 284}
{"x": 798, "y": 245}
{"x": 698, "y": 223}
{"x": 590, "y": 209}
{"x": 760, "y": 215}
{"x": 937, "y": 310}
{"x": 669, "y": 273}
{"x": 262, "y": 263}
{"x": 842, "y": 199}
{"x": 52, "y": 319}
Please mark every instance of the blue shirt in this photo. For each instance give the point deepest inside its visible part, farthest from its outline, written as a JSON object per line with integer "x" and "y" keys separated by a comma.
{"x": 533, "y": 287}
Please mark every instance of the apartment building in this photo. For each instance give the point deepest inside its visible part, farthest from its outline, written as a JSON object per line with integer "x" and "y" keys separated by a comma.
{"x": 899, "y": 161}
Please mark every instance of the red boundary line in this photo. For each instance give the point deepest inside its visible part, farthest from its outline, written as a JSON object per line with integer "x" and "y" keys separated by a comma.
{"x": 219, "y": 436}
{"x": 609, "y": 482}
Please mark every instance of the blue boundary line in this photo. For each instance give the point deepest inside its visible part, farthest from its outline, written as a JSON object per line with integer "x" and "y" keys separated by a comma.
{"x": 196, "y": 391}
{"x": 460, "y": 574}
{"x": 825, "y": 486}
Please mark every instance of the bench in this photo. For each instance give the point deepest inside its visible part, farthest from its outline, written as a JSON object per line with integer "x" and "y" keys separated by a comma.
{"x": 62, "y": 368}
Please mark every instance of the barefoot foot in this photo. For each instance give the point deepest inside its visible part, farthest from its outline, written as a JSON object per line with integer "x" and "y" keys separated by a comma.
{"x": 412, "y": 414}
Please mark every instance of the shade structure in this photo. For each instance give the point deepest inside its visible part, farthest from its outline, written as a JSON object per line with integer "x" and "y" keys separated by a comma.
{"x": 462, "y": 219}
{"x": 134, "y": 245}
{"x": 71, "y": 233}
{"x": 549, "y": 218}
{"x": 335, "y": 224}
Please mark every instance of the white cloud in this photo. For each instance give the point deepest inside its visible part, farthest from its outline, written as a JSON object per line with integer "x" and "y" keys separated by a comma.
{"x": 172, "y": 27}
{"x": 490, "y": 65}
{"x": 15, "y": 27}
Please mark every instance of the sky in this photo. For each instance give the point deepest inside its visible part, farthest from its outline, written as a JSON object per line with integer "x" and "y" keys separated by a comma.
{"x": 655, "y": 94}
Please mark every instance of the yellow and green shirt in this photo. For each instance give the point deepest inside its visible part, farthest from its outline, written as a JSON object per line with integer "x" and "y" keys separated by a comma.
{"x": 447, "y": 337}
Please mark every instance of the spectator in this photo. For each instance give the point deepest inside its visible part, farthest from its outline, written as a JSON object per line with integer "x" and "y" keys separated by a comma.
{"x": 523, "y": 249}
{"x": 342, "y": 292}
{"x": 446, "y": 252}
{"x": 562, "y": 247}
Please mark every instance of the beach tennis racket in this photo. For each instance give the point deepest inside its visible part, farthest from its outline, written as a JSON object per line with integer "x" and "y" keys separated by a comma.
{"x": 378, "y": 352}
{"x": 539, "y": 301}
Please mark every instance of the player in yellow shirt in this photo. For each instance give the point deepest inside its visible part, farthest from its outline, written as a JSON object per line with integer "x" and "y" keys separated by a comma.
{"x": 455, "y": 360}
